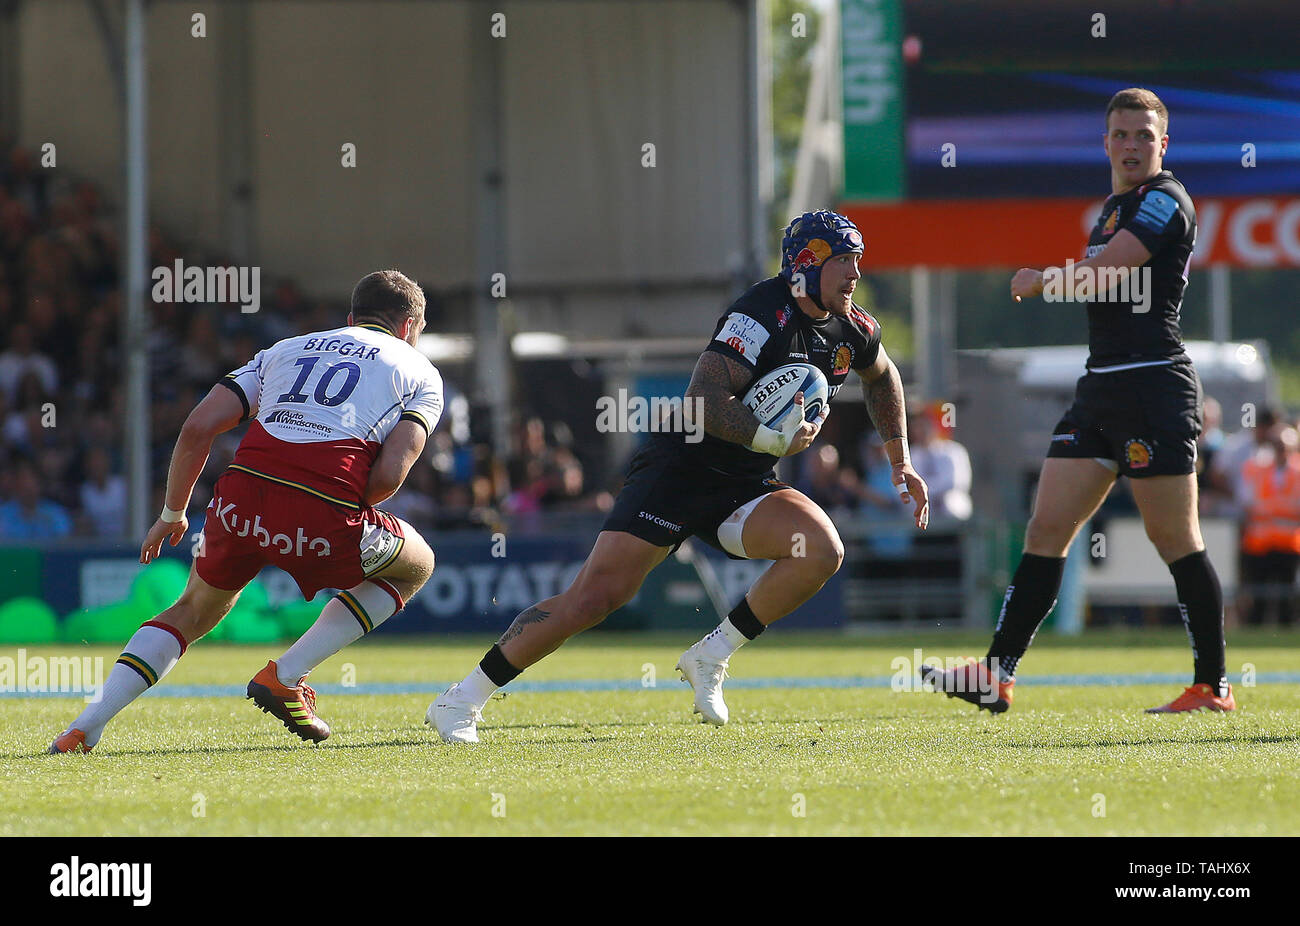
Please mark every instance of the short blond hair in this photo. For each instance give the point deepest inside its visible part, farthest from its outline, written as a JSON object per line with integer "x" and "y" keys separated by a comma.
{"x": 1140, "y": 99}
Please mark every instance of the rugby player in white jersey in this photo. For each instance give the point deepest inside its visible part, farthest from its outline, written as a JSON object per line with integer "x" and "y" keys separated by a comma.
{"x": 339, "y": 417}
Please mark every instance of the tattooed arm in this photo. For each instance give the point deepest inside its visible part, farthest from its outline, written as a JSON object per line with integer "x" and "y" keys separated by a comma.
{"x": 882, "y": 388}
{"x": 718, "y": 380}
{"x": 716, "y": 383}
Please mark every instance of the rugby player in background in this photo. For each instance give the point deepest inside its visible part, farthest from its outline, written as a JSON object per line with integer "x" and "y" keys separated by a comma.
{"x": 723, "y": 489}
{"x": 339, "y": 417}
{"x": 1136, "y": 413}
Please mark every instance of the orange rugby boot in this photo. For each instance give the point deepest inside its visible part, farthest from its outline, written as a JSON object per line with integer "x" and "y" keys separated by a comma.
{"x": 1200, "y": 697}
{"x": 294, "y": 707}
{"x": 70, "y": 741}
{"x": 972, "y": 682}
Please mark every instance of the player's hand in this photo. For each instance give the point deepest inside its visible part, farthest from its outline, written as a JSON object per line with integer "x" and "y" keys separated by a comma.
{"x": 1026, "y": 283}
{"x": 160, "y": 531}
{"x": 804, "y": 432}
{"x": 913, "y": 490}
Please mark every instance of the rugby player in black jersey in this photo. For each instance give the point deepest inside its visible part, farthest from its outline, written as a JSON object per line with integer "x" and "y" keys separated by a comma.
{"x": 722, "y": 488}
{"x": 1136, "y": 413}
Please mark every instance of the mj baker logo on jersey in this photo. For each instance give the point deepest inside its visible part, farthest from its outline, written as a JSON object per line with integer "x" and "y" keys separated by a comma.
{"x": 743, "y": 335}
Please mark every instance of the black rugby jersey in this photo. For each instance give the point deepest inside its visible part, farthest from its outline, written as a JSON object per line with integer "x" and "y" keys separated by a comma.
{"x": 1161, "y": 215}
{"x": 765, "y": 329}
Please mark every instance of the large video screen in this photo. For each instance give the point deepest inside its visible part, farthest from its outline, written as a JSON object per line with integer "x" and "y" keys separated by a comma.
{"x": 1039, "y": 133}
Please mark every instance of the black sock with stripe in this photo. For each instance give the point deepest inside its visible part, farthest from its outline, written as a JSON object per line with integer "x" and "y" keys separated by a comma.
{"x": 1200, "y": 600}
{"x": 1029, "y": 599}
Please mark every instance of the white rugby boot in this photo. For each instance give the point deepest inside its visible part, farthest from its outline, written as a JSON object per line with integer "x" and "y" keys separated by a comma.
{"x": 705, "y": 675}
{"x": 454, "y": 716}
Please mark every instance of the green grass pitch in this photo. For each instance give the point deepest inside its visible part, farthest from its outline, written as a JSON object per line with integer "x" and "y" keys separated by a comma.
{"x": 1079, "y": 759}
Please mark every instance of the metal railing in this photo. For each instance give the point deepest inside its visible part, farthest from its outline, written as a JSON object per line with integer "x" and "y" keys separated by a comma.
{"x": 896, "y": 576}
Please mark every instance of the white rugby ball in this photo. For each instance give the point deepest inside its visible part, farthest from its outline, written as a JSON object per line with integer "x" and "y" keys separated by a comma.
{"x": 771, "y": 397}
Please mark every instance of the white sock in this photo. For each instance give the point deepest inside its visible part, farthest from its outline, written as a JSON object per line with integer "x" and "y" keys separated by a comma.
{"x": 722, "y": 641}
{"x": 147, "y": 657}
{"x": 346, "y": 617}
{"x": 477, "y": 687}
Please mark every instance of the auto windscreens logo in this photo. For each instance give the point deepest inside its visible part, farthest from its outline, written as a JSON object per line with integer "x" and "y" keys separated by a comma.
{"x": 292, "y": 419}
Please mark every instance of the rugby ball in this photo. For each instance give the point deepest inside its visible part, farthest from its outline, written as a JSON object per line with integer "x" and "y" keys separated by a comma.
{"x": 771, "y": 397}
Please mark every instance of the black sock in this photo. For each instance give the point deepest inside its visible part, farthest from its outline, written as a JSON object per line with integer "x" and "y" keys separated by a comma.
{"x": 1030, "y": 598}
{"x": 743, "y": 619}
{"x": 1200, "y": 599}
{"x": 497, "y": 667}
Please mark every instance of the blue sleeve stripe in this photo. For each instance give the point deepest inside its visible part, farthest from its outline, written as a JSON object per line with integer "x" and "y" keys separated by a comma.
{"x": 1156, "y": 211}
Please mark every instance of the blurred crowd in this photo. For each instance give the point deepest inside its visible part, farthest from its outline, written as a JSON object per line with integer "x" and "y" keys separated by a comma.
{"x": 1253, "y": 475}
{"x": 1250, "y": 475}
{"x": 466, "y": 485}
{"x": 62, "y": 398}
{"x": 863, "y": 486}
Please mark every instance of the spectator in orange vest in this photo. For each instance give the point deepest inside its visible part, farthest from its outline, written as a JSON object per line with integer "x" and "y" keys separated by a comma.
{"x": 1270, "y": 536}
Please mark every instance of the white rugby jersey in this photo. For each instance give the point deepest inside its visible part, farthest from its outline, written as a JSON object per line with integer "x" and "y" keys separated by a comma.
{"x": 323, "y": 404}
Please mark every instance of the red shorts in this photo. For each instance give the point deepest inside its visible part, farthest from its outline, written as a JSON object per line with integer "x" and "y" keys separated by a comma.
{"x": 253, "y": 523}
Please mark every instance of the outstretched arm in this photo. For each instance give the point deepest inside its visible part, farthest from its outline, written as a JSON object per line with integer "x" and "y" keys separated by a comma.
{"x": 1124, "y": 251}
{"x": 882, "y": 388}
{"x": 220, "y": 410}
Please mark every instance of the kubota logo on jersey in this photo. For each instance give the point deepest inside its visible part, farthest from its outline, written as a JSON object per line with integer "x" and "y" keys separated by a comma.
{"x": 285, "y": 544}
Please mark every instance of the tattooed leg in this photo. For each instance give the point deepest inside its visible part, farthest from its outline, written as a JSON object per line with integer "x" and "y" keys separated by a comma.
{"x": 617, "y": 566}
{"x": 534, "y": 615}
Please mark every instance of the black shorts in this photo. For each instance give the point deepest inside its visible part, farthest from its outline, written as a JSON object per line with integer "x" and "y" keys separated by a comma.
{"x": 664, "y": 501}
{"x": 1146, "y": 420}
